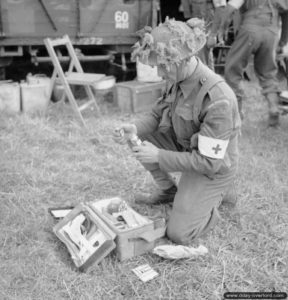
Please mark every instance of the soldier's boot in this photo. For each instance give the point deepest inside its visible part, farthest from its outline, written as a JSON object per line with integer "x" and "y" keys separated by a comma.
{"x": 157, "y": 197}
{"x": 228, "y": 207}
{"x": 283, "y": 103}
{"x": 230, "y": 197}
{"x": 273, "y": 107}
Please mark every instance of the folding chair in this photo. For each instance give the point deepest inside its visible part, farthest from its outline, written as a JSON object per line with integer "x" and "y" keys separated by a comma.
{"x": 71, "y": 77}
{"x": 220, "y": 54}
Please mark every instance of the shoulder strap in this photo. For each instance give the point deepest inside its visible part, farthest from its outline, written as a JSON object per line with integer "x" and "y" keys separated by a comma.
{"x": 207, "y": 83}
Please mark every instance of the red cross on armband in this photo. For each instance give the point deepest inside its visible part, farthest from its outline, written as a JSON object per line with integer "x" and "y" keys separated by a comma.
{"x": 211, "y": 147}
{"x": 216, "y": 149}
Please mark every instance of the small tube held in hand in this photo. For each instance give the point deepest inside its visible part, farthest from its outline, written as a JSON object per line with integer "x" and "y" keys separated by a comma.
{"x": 135, "y": 141}
{"x": 120, "y": 132}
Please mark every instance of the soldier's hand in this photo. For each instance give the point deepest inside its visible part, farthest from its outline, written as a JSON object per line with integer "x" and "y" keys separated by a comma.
{"x": 122, "y": 133}
{"x": 282, "y": 49}
{"x": 222, "y": 37}
{"x": 211, "y": 41}
{"x": 146, "y": 153}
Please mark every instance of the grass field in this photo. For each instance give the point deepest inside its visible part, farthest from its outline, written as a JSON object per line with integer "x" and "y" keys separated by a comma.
{"x": 49, "y": 161}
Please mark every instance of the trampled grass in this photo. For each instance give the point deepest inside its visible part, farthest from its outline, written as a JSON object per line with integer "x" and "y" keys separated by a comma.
{"x": 51, "y": 161}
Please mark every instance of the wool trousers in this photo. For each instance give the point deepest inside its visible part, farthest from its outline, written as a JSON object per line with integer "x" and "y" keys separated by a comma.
{"x": 258, "y": 43}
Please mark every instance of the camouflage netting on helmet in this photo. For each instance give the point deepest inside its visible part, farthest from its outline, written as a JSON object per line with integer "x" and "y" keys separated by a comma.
{"x": 170, "y": 42}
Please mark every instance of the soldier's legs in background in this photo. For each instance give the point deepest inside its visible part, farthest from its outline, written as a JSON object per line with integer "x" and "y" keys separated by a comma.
{"x": 237, "y": 61}
{"x": 206, "y": 56}
{"x": 195, "y": 207}
{"x": 266, "y": 69}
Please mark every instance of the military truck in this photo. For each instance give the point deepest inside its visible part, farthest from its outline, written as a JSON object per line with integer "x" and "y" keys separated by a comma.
{"x": 102, "y": 30}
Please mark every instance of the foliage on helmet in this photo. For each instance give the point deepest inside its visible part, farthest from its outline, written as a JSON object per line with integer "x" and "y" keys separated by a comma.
{"x": 170, "y": 42}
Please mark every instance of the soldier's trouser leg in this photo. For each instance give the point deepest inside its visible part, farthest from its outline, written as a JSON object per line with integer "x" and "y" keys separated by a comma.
{"x": 265, "y": 62}
{"x": 163, "y": 141}
{"x": 266, "y": 69}
{"x": 206, "y": 56}
{"x": 237, "y": 61}
{"x": 195, "y": 207}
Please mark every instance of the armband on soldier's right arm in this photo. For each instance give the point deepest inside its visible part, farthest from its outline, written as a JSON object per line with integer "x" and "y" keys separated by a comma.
{"x": 236, "y": 4}
{"x": 219, "y": 3}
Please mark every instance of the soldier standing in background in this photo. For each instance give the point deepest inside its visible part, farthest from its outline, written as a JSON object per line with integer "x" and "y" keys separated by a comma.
{"x": 205, "y": 10}
{"x": 258, "y": 36}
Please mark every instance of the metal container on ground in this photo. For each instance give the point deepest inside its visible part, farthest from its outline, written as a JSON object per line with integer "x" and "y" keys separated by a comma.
{"x": 9, "y": 97}
{"x": 34, "y": 97}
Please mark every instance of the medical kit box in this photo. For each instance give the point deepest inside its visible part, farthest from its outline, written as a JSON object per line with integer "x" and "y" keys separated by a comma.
{"x": 135, "y": 234}
{"x": 89, "y": 231}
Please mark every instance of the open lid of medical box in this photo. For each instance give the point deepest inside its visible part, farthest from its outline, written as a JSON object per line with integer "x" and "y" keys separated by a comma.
{"x": 86, "y": 236}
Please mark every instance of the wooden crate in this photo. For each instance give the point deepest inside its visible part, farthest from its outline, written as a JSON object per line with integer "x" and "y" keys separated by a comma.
{"x": 133, "y": 241}
{"x": 135, "y": 96}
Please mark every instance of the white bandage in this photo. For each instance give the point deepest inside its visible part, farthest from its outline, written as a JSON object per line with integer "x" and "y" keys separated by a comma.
{"x": 213, "y": 148}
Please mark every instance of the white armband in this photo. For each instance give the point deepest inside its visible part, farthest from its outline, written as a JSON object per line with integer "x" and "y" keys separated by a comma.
{"x": 236, "y": 3}
{"x": 218, "y": 3}
{"x": 213, "y": 148}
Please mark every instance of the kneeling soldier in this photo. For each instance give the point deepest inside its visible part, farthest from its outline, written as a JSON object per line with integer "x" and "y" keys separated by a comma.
{"x": 192, "y": 129}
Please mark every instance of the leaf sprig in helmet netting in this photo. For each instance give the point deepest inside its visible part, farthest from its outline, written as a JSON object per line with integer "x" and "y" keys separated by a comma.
{"x": 170, "y": 42}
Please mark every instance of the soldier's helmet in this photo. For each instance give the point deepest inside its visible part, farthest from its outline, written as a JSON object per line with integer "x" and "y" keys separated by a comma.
{"x": 170, "y": 42}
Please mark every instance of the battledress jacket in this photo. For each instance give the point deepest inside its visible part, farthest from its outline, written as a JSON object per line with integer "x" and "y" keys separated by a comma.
{"x": 207, "y": 132}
